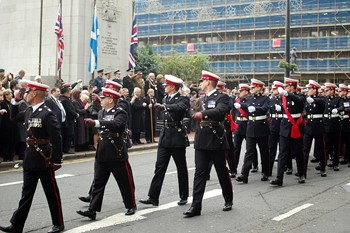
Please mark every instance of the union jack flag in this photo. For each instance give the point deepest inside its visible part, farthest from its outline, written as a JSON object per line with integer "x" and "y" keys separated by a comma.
{"x": 133, "y": 44}
{"x": 60, "y": 42}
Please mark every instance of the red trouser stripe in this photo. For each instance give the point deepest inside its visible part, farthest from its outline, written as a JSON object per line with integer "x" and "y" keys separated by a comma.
{"x": 131, "y": 181}
{"x": 54, "y": 184}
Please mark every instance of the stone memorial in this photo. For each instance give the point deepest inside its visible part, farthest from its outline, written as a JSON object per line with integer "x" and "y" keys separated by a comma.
{"x": 22, "y": 23}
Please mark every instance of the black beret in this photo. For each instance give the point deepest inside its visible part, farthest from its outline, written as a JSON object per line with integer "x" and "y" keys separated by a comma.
{"x": 65, "y": 89}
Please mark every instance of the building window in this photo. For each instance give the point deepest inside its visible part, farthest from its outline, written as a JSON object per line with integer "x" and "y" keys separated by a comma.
{"x": 314, "y": 33}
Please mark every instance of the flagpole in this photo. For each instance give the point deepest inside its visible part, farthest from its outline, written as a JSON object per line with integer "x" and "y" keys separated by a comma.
{"x": 56, "y": 52}
{"x": 133, "y": 42}
{"x": 56, "y": 60}
{"x": 93, "y": 72}
{"x": 59, "y": 72}
{"x": 40, "y": 34}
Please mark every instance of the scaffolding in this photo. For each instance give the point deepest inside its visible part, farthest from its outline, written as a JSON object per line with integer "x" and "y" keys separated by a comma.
{"x": 245, "y": 38}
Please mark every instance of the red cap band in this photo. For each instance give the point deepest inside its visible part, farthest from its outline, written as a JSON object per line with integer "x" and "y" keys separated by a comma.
{"x": 168, "y": 82}
{"x": 113, "y": 86}
{"x": 254, "y": 84}
{"x": 313, "y": 86}
{"x": 34, "y": 87}
{"x": 208, "y": 77}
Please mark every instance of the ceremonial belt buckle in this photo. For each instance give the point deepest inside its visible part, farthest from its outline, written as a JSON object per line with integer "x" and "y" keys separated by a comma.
{"x": 109, "y": 135}
{"x": 242, "y": 118}
{"x": 209, "y": 123}
{"x": 37, "y": 142}
{"x": 172, "y": 124}
{"x": 257, "y": 118}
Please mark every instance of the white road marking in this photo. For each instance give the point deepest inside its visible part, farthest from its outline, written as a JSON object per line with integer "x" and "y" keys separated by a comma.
{"x": 63, "y": 176}
{"x": 121, "y": 218}
{"x": 20, "y": 182}
{"x": 291, "y": 212}
{"x": 348, "y": 184}
{"x": 174, "y": 172}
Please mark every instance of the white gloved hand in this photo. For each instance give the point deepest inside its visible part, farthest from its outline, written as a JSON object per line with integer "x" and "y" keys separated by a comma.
{"x": 282, "y": 91}
{"x": 334, "y": 111}
{"x": 310, "y": 100}
{"x": 278, "y": 107}
{"x": 251, "y": 109}
{"x": 237, "y": 105}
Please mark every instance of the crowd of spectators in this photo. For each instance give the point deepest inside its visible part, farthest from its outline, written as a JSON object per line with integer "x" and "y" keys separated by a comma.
{"x": 72, "y": 103}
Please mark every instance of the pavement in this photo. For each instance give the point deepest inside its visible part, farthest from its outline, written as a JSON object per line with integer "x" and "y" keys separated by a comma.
{"x": 91, "y": 153}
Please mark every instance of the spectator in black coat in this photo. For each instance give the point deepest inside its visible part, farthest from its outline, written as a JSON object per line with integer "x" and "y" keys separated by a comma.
{"x": 56, "y": 106}
{"x": 7, "y": 135}
{"x": 150, "y": 118}
{"x": 22, "y": 132}
{"x": 71, "y": 115}
{"x": 137, "y": 113}
{"x": 93, "y": 113}
{"x": 80, "y": 132}
{"x": 127, "y": 82}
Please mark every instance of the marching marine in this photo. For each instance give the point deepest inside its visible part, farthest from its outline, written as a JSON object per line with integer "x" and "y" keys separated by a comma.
{"x": 210, "y": 144}
{"x": 276, "y": 115}
{"x": 331, "y": 119}
{"x": 173, "y": 141}
{"x": 291, "y": 130}
{"x": 314, "y": 129}
{"x": 257, "y": 131}
{"x": 111, "y": 155}
{"x": 42, "y": 158}
{"x": 345, "y": 125}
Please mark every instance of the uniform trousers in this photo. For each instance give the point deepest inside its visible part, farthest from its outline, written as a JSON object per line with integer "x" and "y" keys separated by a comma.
{"x": 273, "y": 142}
{"x": 332, "y": 142}
{"x": 67, "y": 139}
{"x": 287, "y": 145}
{"x": 230, "y": 152}
{"x": 202, "y": 159}
{"x": 251, "y": 153}
{"x": 163, "y": 158}
{"x": 319, "y": 150}
{"x": 230, "y": 157}
{"x": 30, "y": 182}
{"x": 238, "y": 140}
{"x": 123, "y": 175}
{"x": 346, "y": 143}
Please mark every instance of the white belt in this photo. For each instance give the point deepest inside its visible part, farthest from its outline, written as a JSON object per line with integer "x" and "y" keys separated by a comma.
{"x": 257, "y": 118}
{"x": 295, "y": 115}
{"x": 314, "y": 116}
{"x": 242, "y": 119}
{"x": 345, "y": 116}
{"x": 276, "y": 115}
{"x": 331, "y": 115}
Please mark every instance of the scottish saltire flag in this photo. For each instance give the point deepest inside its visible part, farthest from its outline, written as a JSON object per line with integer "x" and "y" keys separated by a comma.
{"x": 94, "y": 43}
{"x": 133, "y": 44}
{"x": 60, "y": 42}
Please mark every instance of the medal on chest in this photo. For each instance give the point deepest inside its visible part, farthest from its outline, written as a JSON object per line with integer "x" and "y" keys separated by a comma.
{"x": 35, "y": 123}
{"x": 211, "y": 104}
{"x": 108, "y": 117}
